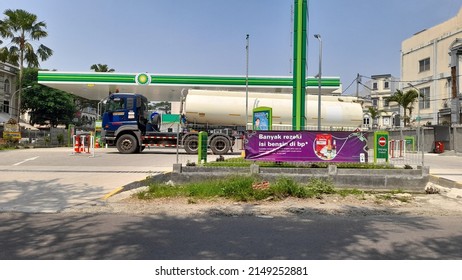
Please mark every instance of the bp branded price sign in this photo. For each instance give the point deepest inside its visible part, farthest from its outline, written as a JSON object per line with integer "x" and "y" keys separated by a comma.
{"x": 381, "y": 145}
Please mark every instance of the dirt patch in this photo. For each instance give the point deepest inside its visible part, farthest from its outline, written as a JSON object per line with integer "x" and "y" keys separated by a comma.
{"x": 445, "y": 203}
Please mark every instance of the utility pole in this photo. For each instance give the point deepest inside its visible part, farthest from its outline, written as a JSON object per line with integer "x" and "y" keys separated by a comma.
{"x": 318, "y": 36}
{"x": 358, "y": 80}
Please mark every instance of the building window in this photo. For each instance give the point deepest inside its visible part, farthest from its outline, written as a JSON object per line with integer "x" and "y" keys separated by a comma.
{"x": 386, "y": 85}
{"x": 366, "y": 121}
{"x": 397, "y": 120}
{"x": 424, "y": 98}
{"x": 374, "y": 86}
{"x": 386, "y": 103}
{"x": 386, "y": 121}
{"x": 6, "y": 86}
{"x": 375, "y": 102}
{"x": 424, "y": 65}
{"x": 6, "y": 106}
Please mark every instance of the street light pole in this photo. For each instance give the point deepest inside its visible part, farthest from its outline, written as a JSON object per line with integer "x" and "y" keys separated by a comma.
{"x": 18, "y": 108}
{"x": 418, "y": 103}
{"x": 318, "y": 36}
{"x": 246, "y": 81}
{"x": 418, "y": 115}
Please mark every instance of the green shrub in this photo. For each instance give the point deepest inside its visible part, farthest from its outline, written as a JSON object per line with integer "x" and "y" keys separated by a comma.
{"x": 286, "y": 187}
{"x": 239, "y": 188}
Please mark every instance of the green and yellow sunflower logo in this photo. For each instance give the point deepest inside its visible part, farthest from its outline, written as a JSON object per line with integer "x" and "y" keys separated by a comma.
{"x": 143, "y": 79}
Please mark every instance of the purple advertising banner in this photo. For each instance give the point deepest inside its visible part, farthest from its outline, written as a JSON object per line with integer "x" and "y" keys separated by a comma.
{"x": 311, "y": 146}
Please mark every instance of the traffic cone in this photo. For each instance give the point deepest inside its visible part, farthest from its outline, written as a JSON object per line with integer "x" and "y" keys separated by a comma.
{"x": 77, "y": 144}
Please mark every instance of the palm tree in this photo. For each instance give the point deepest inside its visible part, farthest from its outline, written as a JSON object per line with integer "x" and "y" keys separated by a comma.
{"x": 23, "y": 28}
{"x": 374, "y": 113}
{"x": 405, "y": 100}
{"x": 101, "y": 68}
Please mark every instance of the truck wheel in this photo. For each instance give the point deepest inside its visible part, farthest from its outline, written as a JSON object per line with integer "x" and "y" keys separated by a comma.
{"x": 127, "y": 144}
{"x": 191, "y": 144}
{"x": 220, "y": 145}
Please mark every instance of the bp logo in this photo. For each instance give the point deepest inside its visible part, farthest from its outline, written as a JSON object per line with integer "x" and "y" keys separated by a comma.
{"x": 143, "y": 79}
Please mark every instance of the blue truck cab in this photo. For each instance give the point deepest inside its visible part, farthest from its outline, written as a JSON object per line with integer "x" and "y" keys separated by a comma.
{"x": 125, "y": 118}
{"x": 128, "y": 125}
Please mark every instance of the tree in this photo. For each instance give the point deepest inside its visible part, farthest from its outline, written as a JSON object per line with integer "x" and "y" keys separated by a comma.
{"x": 101, "y": 68}
{"x": 23, "y": 28}
{"x": 46, "y": 105}
{"x": 375, "y": 113}
{"x": 405, "y": 100}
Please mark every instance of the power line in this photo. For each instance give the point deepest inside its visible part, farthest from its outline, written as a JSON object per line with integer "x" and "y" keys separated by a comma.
{"x": 349, "y": 86}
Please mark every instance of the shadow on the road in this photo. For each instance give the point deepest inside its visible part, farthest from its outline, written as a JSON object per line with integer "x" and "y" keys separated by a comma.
{"x": 44, "y": 195}
{"x": 310, "y": 235}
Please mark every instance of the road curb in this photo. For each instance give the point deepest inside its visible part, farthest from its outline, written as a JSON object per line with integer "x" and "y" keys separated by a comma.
{"x": 114, "y": 192}
{"x": 136, "y": 185}
{"x": 447, "y": 183}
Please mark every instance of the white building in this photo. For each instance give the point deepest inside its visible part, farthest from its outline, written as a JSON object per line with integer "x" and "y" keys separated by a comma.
{"x": 8, "y": 74}
{"x": 430, "y": 62}
{"x": 377, "y": 90}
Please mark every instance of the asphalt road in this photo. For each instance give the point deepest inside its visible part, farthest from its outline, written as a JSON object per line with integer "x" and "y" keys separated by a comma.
{"x": 309, "y": 237}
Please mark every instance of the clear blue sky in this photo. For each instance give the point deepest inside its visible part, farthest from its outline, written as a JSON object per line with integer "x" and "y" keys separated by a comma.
{"x": 208, "y": 36}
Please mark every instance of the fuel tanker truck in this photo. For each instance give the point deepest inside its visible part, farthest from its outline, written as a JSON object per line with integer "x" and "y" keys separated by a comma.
{"x": 131, "y": 127}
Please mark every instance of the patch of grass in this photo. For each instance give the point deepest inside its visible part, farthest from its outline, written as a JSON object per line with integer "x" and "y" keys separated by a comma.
{"x": 241, "y": 162}
{"x": 7, "y": 147}
{"x": 242, "y": 188}
{"x": 317, "y": 187}
{"x": 397, "y": 191}
{"x": 239, "y": 188}
{"x": 347, "y": 192}
{"x": 252, "y": 188}
{"x": 394, "y": 195}
{"x": 158, "y": 190}
{"x": 385, "y": 196}
{"x": 286, "y": 187}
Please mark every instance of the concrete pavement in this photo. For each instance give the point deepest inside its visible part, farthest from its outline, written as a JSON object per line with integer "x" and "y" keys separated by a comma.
{"x": 446, "y": 165}
{"x": 50, "y": 180}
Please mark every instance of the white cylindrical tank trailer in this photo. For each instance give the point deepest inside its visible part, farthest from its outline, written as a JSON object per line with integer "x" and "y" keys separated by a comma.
{"x": 228, "y": 108}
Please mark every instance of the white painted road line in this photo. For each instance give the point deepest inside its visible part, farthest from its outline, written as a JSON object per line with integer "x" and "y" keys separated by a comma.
{"x": 26, "y": 160}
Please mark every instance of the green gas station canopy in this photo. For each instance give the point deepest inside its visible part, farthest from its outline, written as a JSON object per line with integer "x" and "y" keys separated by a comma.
{"x": 157, "y": 87}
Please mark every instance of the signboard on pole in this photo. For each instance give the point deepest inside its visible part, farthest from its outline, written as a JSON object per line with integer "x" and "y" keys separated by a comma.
{"x": 262, "y": 118}
{"x": 410, "y": 143}
{"x": 380, "y": 146}
{"x": 11, "y": 131}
